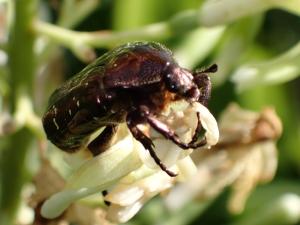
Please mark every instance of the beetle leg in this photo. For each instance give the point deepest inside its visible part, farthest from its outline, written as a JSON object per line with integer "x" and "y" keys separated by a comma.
{"x": 170, "y": 134}
{"x": 148, "y": 144}
{"x": 204, "y": 84}
{"x": 103, "y": 140}
{"x": 197, "y": 130}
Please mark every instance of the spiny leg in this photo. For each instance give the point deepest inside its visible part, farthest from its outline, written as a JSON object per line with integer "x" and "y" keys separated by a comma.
{"x": 103, "y": 140}
{"x": 147, "y": 143}
{"x": 197, "y": 130}
{"x": 203, "y": 82}
{"x": 170, "y": 134}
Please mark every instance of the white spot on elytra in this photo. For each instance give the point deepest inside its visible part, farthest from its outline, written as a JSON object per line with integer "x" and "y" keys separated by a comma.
{"x": 86, "y": 84}
{"x": 78, "y": 103}
{"x": 70, "y": 112}
{"x": 55, "y": 109}
{"x": 101, "y": 85}
{"x": 98, "y": 100}
{"x": 73, "y": 98}
{"x": 55, "y": 123}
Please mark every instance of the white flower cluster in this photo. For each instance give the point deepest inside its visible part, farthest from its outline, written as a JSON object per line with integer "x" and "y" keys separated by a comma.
{"x": 127, "y": 171}
{"x": 245, "y": 156}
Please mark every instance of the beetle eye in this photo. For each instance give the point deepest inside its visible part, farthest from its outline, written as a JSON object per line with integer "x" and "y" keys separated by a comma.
{"x": 171, "y": 83}
{"x": 174, "y": 88}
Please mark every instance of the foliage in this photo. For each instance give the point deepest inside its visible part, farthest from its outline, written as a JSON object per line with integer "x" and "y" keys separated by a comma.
{"x": 256, "y": 46}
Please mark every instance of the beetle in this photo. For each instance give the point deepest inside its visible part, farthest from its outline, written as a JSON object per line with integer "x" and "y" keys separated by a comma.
{"x": 132, "y": 83}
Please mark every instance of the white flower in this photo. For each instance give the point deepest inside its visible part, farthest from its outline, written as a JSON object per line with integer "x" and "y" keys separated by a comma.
{"x": 127, "y": 170}
{"x": 245, "y": 156}
{"x": 127, "y": 199}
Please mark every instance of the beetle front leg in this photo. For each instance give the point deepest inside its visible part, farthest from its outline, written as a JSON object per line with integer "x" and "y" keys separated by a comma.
{"x": 170, "y": 134}
{"x": 103, "y": 140}
{"x": 204, "y": 84}
{"x": 197, "y": 130}
{"x": 147, "y": 143}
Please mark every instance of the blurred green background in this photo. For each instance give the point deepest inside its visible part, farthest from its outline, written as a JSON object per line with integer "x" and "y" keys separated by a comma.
{"x": 35, "y": 59}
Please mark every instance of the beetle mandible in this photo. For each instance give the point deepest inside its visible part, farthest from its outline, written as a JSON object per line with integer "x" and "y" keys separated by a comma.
{"x": 132, "y": 83}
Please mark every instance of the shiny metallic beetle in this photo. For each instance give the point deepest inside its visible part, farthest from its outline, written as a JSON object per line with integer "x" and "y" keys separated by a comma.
{"x": 132, "y": 83}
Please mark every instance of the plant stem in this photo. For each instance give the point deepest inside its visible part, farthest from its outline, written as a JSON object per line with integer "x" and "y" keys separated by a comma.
{"x": 211, "y": 13}
{"x": 73, "y": 39}
{"x": 81, "y": 42}
{"x": 70, "y": 19}
{"x": 22, "y": 69}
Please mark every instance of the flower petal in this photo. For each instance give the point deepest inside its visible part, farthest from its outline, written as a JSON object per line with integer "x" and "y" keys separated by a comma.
{"x": 209, "y": 123}
{"x": 121, "y": 211}
{"x": 113, "y": 164}
{"x": 125, "y": 195}
{"x": 95, "y": 175}
{"x": 182, "y": 118}
{"x": 119, "y": 214}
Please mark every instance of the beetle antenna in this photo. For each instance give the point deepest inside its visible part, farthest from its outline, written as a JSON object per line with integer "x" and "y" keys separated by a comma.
{"x": 211, "y": 69}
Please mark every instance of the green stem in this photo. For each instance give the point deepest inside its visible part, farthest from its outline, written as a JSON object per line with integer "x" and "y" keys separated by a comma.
{"x": 22, "y": 69}
{"x": 73, "y": 39}
{"x": 67, "y": 16}
{"x": 211, "y": 13}
{"x": 13, "y": 174}
{"x": 81, "y": 42}
{"x": 21, "y": 55}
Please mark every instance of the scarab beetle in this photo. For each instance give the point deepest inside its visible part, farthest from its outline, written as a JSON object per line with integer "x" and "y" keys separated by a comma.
{"x": 132, "y": 83}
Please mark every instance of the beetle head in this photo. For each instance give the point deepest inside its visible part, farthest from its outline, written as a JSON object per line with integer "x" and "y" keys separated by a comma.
{"x": 181, "y": 82}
